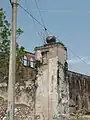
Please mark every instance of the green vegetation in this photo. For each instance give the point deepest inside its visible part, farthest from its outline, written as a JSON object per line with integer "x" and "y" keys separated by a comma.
{"x": 5, "y": 34}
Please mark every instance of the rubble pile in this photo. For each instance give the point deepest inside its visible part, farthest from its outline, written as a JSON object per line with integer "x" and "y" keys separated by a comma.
{"x": 22, "y": 112}
{"x": 3, "y": 110}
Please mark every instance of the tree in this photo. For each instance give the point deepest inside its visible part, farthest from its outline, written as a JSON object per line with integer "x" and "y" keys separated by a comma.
{"x": 5, "y": 34}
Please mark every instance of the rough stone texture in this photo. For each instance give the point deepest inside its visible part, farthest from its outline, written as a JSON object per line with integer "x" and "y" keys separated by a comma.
{"x": 64, "y": 96}
{"x": 52, "y": 96}
{"x": 46, "y": 95}
{"x": 24, "y": 99}
{"x": 53, "y": 91}
{"x": 79, "y": 87}
{"x": 26, "y": 74}
{"x": 22, "y": 112}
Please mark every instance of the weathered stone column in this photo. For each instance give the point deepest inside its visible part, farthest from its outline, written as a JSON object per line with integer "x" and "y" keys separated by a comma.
{"x": 52, "y": 95}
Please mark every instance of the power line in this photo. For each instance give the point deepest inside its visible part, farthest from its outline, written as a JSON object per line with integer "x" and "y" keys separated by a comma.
{"x": 39, "y": 12}
{"x": 33, "y": 20}
{"x": 41, "y": 17}
{"x": 10, "y": 2}
{"x": 30, "y": 15}
{"x": 26, "y": 4}
{"x": 75, "y": 54}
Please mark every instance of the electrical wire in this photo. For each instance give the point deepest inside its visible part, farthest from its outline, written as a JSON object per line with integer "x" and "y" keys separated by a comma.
{"x": 40, "y": 13}
{"x": 77, "y": 56}
{"x": 34, "y": 22}
{"x": 10, "y": 2}
{"x": 34, "y": 19}
{"x": 37, "y": 5}
{"x": 30, "y": 15}
{"x": 48, "y": 64}
{"x": 26, "y": 4}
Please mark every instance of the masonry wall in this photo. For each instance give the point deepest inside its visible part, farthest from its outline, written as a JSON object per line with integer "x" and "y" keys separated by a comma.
{"x": 79, "y": 92}
{"x": 52, "y": 95}
{"x": 46, "y": 94}
{"x": 25, "y": 89}
{"x": 25, "y": 97}
{"x": 24, "y": 100}
{"x": 79, "y": 89}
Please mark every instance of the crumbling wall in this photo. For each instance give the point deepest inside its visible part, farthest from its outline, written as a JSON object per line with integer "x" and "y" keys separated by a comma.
{"x": 63, "y": 92}
{"x": 79, "y": 91}
{"x": 24, "y": 100}
{"x": 50, "y": 91}
{"x": 52, "y": 96}
{"x": 26, "y": 73}
{"x": 46, "y": 94}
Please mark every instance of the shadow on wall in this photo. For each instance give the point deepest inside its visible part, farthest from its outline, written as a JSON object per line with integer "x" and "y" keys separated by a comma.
{"x": 79, "y": 91}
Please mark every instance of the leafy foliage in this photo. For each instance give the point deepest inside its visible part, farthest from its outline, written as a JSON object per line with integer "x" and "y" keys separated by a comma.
{"x": 5, "y": 34}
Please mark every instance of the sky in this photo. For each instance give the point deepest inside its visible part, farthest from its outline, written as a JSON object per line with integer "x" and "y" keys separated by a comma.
{"x": 69, "y": 20}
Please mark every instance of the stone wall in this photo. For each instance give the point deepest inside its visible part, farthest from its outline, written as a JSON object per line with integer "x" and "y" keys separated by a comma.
{"x": 52, "y": 96}
{"x": 24, "y": 100}
{"x": 79, "y": 92}
{"x": 46, "y": 95}
{"x": 79, "y": 89}
{"x": 26, "y": 87}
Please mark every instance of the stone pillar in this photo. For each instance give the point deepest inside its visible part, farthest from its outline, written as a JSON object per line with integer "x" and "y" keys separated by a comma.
{"x": 52, "y": 95}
